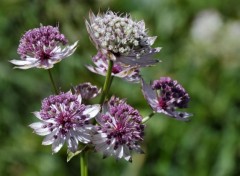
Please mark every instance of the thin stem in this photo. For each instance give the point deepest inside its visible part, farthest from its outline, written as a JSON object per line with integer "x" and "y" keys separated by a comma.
{"x": 52, "y": 81}
{"x": 108, "y": 81}
{"x": 83, "y": 164}
{"x": 145, "y": 119}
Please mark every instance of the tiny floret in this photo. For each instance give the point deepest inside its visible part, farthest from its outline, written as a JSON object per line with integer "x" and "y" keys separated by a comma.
{"x": 119, "y": 131}
{"x": 42, "y": 48}
{"x": 125, "y": 39}
{"x": 63, "y": 118}
{"x": 165, "y": 96}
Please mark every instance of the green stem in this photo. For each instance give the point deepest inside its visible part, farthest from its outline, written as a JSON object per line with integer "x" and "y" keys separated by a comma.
{"x": 145, "y": 119}
{"x": 52, "y": 81}
{"x": 83, "y": 164}
{"x": 108, "y": 81}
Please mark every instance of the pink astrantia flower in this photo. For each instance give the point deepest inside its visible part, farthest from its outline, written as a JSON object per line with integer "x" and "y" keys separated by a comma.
{"x": 119, "y": 131}
{"x": 41, "y": 48}
{"x": 128, "y": 73}
{"x": 63, "y": 118}
{"x": 122, "y": 38}
{"x": 165, "y": 96}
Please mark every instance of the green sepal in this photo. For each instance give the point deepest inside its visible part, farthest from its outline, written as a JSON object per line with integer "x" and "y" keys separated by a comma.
{"x": 72, "y": 154}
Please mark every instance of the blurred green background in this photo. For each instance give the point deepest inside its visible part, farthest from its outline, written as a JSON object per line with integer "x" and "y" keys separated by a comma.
{"x": 201, "y": 49}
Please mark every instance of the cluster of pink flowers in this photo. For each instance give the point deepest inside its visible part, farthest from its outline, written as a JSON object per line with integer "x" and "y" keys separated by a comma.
{"x": 112, "y": 127}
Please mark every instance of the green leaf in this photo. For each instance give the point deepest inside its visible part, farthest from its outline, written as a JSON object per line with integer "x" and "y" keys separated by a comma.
{"x": 71, "y": 154}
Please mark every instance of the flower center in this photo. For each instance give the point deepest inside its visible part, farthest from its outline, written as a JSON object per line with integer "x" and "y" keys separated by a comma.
{"x": 44, "y": 55}
{"x": 116, "y": 69}
{"x": 162, "y": 103}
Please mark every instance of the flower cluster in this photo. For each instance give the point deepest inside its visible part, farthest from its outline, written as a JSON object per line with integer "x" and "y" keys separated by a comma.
{"x": 112, "y": 127}
{"x": 122, "y": 38}
{"x": 65, "y": 119}
{"x": 41, "y": 48}
{"x": 165, "y": 96}
{"x": 120, "y": 130}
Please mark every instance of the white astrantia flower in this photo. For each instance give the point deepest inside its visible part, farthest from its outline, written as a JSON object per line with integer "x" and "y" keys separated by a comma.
{"x": 120, "y": 130}
{"x": 165, "y": 96}
{"x": 63, "y": 118}
{"x": 126, "y": 72}
{"x": 42, "y": 48}
{"x": 121, "y": 38}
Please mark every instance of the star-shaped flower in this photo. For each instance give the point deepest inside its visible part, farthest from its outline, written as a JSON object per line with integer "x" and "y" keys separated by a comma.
{"x": 42, "y": 48}
{"x": 63, "y": 118}
{"x": 165, "y": 96}
{"x": 119, "y": 131}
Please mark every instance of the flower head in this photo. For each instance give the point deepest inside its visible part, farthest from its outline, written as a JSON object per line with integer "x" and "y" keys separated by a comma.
{"x": 87, "y": 90}
{"x": 119, "y": 131}
{"x": 41, "y": 48}
{"x": 122, "y": 38}
{"x": 64, "y": 119}
{"x": 128, "y": 73}
{"x": 165, "y": 96}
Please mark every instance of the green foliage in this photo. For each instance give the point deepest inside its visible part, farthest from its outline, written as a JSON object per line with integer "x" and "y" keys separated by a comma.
{"x": 209, "y": 71}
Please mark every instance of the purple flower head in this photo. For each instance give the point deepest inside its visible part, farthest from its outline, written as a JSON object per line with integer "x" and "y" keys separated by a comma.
{"x": 128, "y": 73}
{"x": 41, "y": 48}
{"x": 87, "y": 90}
{"x": 63, "y": 118}
{"x": 122, "y": 38}
{"x": 120, "y": 130}
{"x": 165, "y": 96}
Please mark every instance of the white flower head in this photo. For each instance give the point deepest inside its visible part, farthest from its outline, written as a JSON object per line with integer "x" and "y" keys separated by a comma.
{"x": 126, "y": 39}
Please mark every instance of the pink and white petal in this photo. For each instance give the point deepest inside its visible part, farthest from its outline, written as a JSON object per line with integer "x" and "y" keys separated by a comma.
{"x": 20, "y": 62}
{"x": 69, "y": 50}
{"x": 57, "y": 144}
{"x": 151, "y": 40}
{"x": 182, "y": 116}
{"x": 99, "y": 138}
{"x": 110, "y": 149}
{"x": 42, "y": 131}
{"x": 149, "y": 94}
{"x": 92, "y": 110}
{"x": 49, "y": 139}
{"x": 119, "y": 152}
{"x": 126, "y": 153}
{"x": 138, "y": 149}
{"x": 126, "y": 72}
{"x": 88, "y": 127}
{"x": 37, "y": 114}
{"x": 96, "y": 70}
{"x": 101, "y": 147}
{"x": 82, "y": 136}
{"x": 27, "y": 66}
{"x": 37, "y": 125}
{"x": 72, "y": 143}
